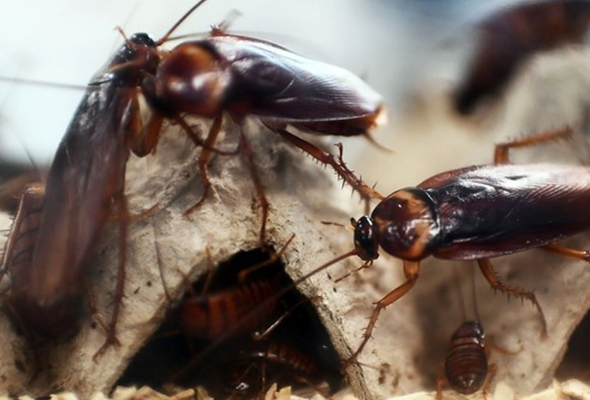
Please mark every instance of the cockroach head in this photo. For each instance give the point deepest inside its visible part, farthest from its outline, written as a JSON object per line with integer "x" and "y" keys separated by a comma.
{"x": 366, "y": 238}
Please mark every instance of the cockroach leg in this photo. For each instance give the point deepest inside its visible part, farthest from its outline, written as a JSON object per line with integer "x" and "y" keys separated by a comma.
{"x": 123, "y": 210}
{"x": 96, "y": 315}
{"x": 496, "y": 283}
{"x": 501, "y": 153}
{"x": 204, "y": 158}
{"x": 411, "y": 271}
{"x": 582, "y": 255}
{"x": 492, "y": 369}
{"x": 198, "y": 142}
{"x": 367, "y": 264}
{"x": 264, "y": 204}
{"x": 341, "y": 169}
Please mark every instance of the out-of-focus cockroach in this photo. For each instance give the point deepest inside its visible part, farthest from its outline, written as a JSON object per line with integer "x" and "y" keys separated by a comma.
{"x": 85, "y": 179}
{"x": 508, "y": 38}
{"x": 476, "y": 213}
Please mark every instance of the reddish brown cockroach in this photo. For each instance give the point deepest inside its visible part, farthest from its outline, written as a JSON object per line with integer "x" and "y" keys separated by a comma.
{"x": 222, "y": 73}
{"x": 466, "y": 368}
{"x": 466, "y": 364}
{"x": 215, "y": 340}
{"x": 476, "y": 213}
{"x": 262, "y": 363}
{"x": 510, "y": 37}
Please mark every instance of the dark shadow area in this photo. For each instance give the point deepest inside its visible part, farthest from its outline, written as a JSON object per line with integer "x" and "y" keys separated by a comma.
{"x": 576, "y": 361}
{"x": 208, "y": 339}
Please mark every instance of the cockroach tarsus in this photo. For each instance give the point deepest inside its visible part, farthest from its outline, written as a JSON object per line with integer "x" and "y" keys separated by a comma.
{"x": 476, "y": 213}
{"x": 511, "y": 36}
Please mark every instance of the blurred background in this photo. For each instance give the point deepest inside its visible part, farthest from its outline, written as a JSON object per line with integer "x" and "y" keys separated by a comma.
{"x": 398, "y": 46}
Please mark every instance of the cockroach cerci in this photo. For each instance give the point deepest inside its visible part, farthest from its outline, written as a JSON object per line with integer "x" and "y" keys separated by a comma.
{"x": 222, "y": 74}
{"x": 476, "y": 213}
{"x": 507, "y": 39}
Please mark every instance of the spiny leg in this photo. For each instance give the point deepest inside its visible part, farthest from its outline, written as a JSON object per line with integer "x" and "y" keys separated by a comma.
{"x": 249, "y": 155}
{"x": 411, "y": 271}
{"x": 496, "y": 283}
{"x": 501, "y": 153}
{"x": 204, "y": 158}
{"x": 123, "y": 209}
{"x": 341, "y": 169}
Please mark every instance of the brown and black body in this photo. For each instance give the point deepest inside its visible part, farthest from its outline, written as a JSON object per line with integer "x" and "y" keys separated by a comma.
{"x": 477, "y": 213}
{"x": 85, "y": 180}
{"x": 507, "y": 39}
{"x": 484, "y": 211}
{"x": 466, "y": 363}
{"x": 246, "y": 76}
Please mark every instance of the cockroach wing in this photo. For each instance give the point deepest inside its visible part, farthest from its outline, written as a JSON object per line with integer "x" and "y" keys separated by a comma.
{"x": 488, "y": 211}
{"x": 287, "y": 88}
{"x": 80, "y": 187}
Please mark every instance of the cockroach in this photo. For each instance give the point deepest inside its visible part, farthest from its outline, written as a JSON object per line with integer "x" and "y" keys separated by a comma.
{"x": 466, "y": 365}
{"x": 223, "y": 73}
{"x": 212, "y": 315}
{"x": 248, "y": 77}
{"x": 86, "y": 177}
{"x": 262, "y": 363}
{"x": 466, "y": 368}
{"x": 507, "y": 39}
{"x": 476, "y": 213}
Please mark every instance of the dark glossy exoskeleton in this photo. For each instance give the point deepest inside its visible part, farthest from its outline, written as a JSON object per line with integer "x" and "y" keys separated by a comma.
{"x": 466, "y": 364}
{"x": 507, "y": 39}
{"x": 476, "y": 213}
{"x": 85, "y": 180}
{"x": 247, "y": 77}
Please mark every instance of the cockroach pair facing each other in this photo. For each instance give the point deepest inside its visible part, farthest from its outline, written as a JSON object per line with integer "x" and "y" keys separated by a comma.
{"x": 222, "y": 74}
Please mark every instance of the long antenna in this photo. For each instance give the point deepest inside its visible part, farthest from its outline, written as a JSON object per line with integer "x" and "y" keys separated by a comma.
{"x": 180, "y": 21}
